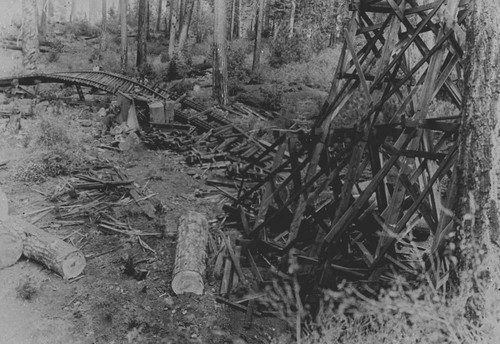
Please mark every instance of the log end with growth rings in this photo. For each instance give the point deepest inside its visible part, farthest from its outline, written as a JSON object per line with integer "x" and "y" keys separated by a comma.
{"x": 188, "y": 282}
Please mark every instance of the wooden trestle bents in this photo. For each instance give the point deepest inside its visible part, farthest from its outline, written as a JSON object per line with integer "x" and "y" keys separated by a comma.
{"x": 345, "y": 202}
{"x": 349, "y": 212}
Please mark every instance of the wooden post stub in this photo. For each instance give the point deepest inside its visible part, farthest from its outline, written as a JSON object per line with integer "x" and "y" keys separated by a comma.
{"x": 190, "y": 254}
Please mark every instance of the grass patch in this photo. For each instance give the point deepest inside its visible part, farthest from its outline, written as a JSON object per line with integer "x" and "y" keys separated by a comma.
{"x": 317, "y": 73}
{"x": 57, "y": 150}
{"x": 27, "y": 289}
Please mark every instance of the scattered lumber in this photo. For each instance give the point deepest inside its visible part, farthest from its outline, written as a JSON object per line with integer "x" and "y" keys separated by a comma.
{"x": 190, "y": 254}
{"x": 47, "y": 249}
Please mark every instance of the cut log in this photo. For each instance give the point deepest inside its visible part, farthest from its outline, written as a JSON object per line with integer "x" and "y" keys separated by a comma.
{"x": 11, "y": 245}
{"x": 190, "y": 254}
{"x": 47, "y": 249}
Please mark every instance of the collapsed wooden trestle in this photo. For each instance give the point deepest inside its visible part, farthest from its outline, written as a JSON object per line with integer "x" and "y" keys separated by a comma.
{"x": 344, "y": 201}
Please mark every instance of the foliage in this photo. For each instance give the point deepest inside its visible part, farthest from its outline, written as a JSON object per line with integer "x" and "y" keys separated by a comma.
{"x": 51, "y": 134}
{"x": 179, "y": 66}
{"x": 285, "y": 50}
{"x": 236, "y": 54}
{"x": 317, "y": 72}
{"x": 273, "y": 98}
{"x": 57, "y": 152}
{"x": 27, "y": 289}
{"x": 81, "y": 28}
{"x": 55, "y": 51}
{"x": 315, "y": 24}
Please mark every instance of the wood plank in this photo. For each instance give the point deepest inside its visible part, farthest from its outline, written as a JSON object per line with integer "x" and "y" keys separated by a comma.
{"x": 341, "y": 224}
{"x": 443, "y": 168}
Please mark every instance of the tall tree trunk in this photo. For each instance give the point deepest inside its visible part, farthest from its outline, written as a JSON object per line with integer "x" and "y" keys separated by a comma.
{"x": 170, "y": 16}
{"x": 292, "y": 19}
{"x": 43, "y": 20}
{"x": 123, "y": 34}
{"x": 174, "y": 10}
{"x": 72, "y": 15}
{"x": 148, "y": 17}
{"x": 220, "y": 58}
{"x": 198, "y": 33}
{"x": 479, "y": 154}
{"x": 181, "y": 11}
{"x": 104, "y": 34}
{"x": 30, "y": 35}
{"x": 158, "y": 19}
{"x": 141, "y": 34}
{"x": 233, "y": 14}
{"x": 92, "y": 11}
{"x": 258, "y": 38}
{"x": 185, "y": 27}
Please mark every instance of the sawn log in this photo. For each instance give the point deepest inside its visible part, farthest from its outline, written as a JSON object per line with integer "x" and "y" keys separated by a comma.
{"x": 47, "y": 249}
{"x": 190, "y": 254}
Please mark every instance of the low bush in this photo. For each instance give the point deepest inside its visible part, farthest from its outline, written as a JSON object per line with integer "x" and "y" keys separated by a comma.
{"x": 179, "y": 66}
{"x": 317, "y": 72}
{"x": 286, "y": 50}
{"x": 81, "y": 28}
{"x": 57, "y": 151}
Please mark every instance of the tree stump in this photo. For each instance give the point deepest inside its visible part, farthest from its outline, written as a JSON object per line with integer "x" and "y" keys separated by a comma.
{"x": 47, "y": 249}
{"x": 190, "y": 254}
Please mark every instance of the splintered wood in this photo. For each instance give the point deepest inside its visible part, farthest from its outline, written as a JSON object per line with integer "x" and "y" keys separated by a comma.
{"x": 345, "y": 202}
{"x": 190, "y": 254}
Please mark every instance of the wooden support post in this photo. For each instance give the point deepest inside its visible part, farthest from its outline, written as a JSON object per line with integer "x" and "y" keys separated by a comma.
{"x": 80, "y": 92}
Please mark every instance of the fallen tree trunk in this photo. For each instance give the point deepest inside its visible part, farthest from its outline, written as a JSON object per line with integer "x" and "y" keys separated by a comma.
{"x": 11, "y": 245}
{"x": 47, "y": 249}
{"x": 190, "y": 254}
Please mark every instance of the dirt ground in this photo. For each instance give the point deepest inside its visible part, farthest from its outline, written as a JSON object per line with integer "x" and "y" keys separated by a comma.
{"x": 106, "y": 305}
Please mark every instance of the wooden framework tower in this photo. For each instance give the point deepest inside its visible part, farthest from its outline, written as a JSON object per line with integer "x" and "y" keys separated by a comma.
{"x": 346, "y": 200}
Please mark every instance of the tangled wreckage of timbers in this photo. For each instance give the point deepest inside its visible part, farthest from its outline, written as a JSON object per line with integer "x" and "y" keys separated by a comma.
{"x": 344, "y": 203}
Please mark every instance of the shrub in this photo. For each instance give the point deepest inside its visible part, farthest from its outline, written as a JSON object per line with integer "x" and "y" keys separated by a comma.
{"x": 285, "y": 50}
{"x": 318, "y": 72}
{"x": 27, "y": 289}
{"x": 55, "y": 51}
{"x": 236, "y": 54}
{"x": 179, "y": 66}
{"x": 82, "y": 28}
{"x": 273, "y": 98}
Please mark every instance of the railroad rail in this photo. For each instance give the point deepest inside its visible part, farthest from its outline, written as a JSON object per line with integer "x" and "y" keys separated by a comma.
{"x": 206, "y": 120}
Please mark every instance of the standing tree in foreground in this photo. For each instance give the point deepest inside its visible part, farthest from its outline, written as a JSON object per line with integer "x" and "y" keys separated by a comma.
{"x": 30, "y": 34}
{"x": 123, "y": 34}
{"x": 479, "y": 156}
{"x": 104, "y": 39}
{"x": 141, "y": 34}
{"x": 258, "y": 38}
{"x": 220, "y": 58}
